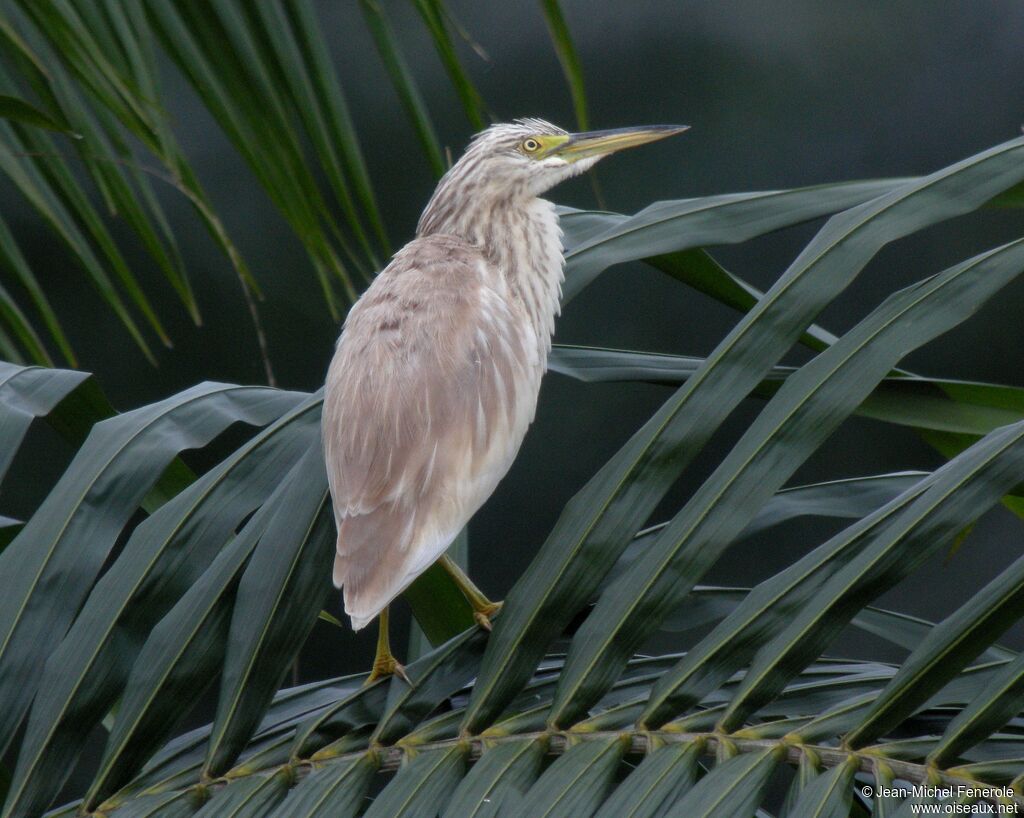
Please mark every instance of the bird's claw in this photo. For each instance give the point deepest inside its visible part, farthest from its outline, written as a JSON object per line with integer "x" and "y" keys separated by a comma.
{"x": 385, "y": 666}
{"x": 483, "y": 615}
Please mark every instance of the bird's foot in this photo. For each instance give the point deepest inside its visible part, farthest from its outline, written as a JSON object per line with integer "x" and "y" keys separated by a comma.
{"x": 384, "y": 666}
{"x": 483, "y": 614}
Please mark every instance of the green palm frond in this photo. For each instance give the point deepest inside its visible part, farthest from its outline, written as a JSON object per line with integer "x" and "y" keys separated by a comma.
{"x": 113, "y": 617}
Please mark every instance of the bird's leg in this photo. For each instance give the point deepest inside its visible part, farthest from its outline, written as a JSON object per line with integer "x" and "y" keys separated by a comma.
{"x": 385, "y": 663}
{"x": 483, "y": 608}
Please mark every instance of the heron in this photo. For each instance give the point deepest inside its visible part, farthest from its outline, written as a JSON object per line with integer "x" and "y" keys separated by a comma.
{"x": 436, "y": 374}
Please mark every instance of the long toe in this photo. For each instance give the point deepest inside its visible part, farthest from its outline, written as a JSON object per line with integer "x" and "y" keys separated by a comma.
{"x": 483, "y": 615}
{"x": 385, "y": 666}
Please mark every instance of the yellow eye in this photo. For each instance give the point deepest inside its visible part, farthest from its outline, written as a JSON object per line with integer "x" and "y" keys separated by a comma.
{"x": 531, "y": 145}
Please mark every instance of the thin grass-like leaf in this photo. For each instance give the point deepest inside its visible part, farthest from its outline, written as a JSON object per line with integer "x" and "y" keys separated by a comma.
{"x": 21, "y": 111}
{"x": 404, "y": 82}
{"x": 433, "y": 14}
{"x": 567, "y": 56}
{"x": 38, "y": 192}
{"x": 309, "y": 100}
{"x": 55, "y": 181}
{"x": 339, "y": 119}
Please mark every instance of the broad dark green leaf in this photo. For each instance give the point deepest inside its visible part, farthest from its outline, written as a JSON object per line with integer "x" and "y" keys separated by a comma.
{"x": 422, "y": 786}
{"x": 360, "y": 708}
{"x": 991, "y": 709}
{"x": 684, "y": 224}
{"x": 337, "y": 789}
{"x": 830, "y": 795}
{"x": 851, "y": 498}
{"x": 908, "y": 631}
{"x": 949, "y": 646}
{"x": 734, "y": 788}
{"x": 164, "y": 556}
{"x": 179, "y": 762}
{"x": 165, "y": 805}
{"x": 575, "y": 785}
{"x": 977, "y": 478}
{"x": 439, "y": 597}
{"x": 441, "y": 611}
{"x": 27, "y": 393}
{"x": 937, "y": 404}
{"x": 9, "y": 527}
{"x": 949, "y": 414}
{"x": 807, "y": 409}
{"x": 697, "y": 269}
{"x": 758, "y": 616}
{"x": 179, "y": 661}
{"x": 510, "y": 766}
{"x": 254, "y": 797}
{"x": 52, "y": 564}
{"x": 434, "y": 677}
{"x": 280, "y": 594}
{"x": 664, "y": 776}
{"x": 807, "y": 770}
{"x": 186, "y": 649}
{"x": 598, "y": 521}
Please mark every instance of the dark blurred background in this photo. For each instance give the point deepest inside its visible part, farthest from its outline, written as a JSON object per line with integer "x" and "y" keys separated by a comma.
{"x": 778, "y": 95}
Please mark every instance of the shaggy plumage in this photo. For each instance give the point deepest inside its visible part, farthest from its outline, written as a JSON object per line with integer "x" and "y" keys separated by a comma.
{"x": 436, "y": 374}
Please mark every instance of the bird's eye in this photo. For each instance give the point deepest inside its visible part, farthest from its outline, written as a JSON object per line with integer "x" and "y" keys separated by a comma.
{"x": 530, "y": 145}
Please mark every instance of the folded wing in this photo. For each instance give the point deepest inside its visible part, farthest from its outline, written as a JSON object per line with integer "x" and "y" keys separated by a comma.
{"x": 430, "y": 392}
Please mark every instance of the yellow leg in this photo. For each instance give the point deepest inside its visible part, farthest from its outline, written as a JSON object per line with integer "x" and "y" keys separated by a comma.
{"x": 483, "y": 608}
{"x": 385, "y": 663}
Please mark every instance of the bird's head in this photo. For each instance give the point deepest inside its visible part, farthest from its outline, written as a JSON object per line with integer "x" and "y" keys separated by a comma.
{"x": 533, "y": 156}
{"x": 520, "y": 160}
